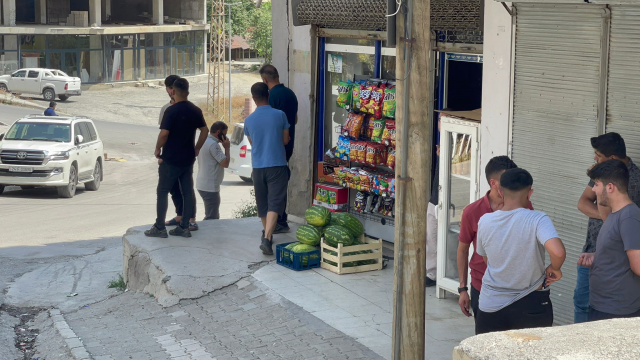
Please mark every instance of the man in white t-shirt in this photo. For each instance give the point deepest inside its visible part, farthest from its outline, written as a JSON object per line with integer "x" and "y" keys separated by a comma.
{"x": 512, "y": 241}
{"x": 211, "y": 164}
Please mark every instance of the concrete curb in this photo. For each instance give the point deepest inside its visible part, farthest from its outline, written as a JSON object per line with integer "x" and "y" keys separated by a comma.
{"x": 72, "y": 340}
{"x": 134, "y": 83}
{"x": 9, "y": 99}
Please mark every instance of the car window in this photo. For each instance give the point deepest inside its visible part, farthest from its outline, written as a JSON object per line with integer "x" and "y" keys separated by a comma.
{"x": 20, "y": 74}
{"x": 89, "y": 129}
{"x": 81, "y": 130}
{"x": 34, "y": 74}
{"x": 48, "y": 74}
{"x": 39, "y": 132}
{"x": 237, "y": 136}
{"x": 60, "y": 73}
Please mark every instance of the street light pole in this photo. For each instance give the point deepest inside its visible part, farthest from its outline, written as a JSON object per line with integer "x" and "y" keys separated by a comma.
{"x": 230, "y": 5}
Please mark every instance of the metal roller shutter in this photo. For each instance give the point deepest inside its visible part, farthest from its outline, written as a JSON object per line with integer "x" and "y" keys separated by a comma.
{"x": 555, "y": 112}
{"x": 623, "y": 101}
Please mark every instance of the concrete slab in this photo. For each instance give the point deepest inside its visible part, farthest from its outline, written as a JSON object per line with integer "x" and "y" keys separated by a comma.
{"x": 219, "y": 254}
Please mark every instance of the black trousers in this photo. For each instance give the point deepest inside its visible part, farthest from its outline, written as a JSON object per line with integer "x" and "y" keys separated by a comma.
{"x": 595, "y": 315}
{"x": 532, "y": 311}
{"x": 171, "y": 175}
{"x": 475, "y": 299}
{"x": 282, "y": 219}
{"x": 178, "y": 202}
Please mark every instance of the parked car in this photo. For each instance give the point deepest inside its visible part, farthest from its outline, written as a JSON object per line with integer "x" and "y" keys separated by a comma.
{"x": 52, "y": 151}
{"x": 46, "y": 82}
{"x": 240, "y": 163}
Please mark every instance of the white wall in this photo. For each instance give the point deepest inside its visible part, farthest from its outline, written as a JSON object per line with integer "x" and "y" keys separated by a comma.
{"x": 280, "y": 26}
{"x": 496, "y": 86}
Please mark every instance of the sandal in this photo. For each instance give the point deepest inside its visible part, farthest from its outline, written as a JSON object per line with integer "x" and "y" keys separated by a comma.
{"x": 172, "y": 222}
{"x": 193, "y": 227}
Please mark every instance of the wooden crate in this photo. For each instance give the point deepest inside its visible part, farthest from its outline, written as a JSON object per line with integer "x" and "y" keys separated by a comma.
{"x": 367, "y": 244}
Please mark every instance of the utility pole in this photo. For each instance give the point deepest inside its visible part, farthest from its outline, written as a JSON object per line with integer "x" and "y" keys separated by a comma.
{"x": 415, "y": 133}
{"x": 215, "y": 92}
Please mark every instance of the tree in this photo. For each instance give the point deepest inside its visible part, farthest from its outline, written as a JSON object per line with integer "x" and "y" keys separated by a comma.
{"x": 260, "y": 34}
{"x": 241, "y": 16}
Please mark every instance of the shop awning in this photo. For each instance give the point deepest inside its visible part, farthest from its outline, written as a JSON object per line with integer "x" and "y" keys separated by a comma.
{"x": 342, "y": 14}
{"x": 586, "y": 2}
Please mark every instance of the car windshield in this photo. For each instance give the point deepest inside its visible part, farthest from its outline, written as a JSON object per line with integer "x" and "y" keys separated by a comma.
{"x": 238, "y": 134}
{"x": 29, "y": 131}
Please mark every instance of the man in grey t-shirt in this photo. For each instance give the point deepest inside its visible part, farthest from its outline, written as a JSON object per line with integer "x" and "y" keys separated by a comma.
{"x": 211, "y": 164}
{"x": 614, "y": 278}
{"x": 512, "y": 242}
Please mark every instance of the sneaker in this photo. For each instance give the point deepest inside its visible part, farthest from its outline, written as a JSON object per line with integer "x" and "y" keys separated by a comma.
{"x": 179, "y": 231}
{"x": 281, "y": 229}
{"x": 266, "y": 246}
{"x": 155, "y": 232}
{"x": 428, "y": 282}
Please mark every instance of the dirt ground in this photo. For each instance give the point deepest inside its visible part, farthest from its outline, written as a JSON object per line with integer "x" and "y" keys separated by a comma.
{"x": 141, "y": 105}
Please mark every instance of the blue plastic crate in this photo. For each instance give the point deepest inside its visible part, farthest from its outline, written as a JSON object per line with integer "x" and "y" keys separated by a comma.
{"x": 297, "y": 261}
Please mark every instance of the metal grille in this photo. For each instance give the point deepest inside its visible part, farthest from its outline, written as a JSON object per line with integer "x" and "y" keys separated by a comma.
{"x": 458, "y": 21}
{"x": 623, "y": 107}
{"x": 344, "y": 14}
{"x": 555, "y": 111}
{"x": 19, "y": 157}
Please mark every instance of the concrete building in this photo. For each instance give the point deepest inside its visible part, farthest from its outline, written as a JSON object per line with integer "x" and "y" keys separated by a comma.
{"x": 105, "y": 40}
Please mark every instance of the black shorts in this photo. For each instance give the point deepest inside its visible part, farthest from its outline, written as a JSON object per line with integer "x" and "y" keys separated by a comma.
{"x": 270, "y": 185}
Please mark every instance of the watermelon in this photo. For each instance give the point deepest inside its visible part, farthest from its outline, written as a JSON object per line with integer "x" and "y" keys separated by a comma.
{"x": 309, "y": 235}
{"x": 317, "y": 216}
{"x": 350, "y": 222}
{"x": 336, "y": 234}
{"x": 297, "y": 247}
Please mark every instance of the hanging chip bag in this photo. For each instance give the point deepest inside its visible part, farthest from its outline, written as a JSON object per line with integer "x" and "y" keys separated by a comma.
{"x": 389, "y": 103}
{"x": 344, "y": 94}
{"x": 365, "y": 98}
{"x": 355, "y": 122}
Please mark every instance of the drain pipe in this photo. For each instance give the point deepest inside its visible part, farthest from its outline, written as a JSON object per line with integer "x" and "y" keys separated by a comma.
{"x": 403, "y": 176}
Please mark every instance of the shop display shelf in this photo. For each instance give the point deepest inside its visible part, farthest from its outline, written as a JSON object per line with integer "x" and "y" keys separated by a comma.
{"x": 368, "y": 244}
{"x": 374, "y": 217}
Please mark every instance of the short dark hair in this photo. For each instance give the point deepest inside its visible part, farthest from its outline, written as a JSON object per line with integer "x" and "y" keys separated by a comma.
{"x": 52, "y": 104}
{"x": 611, "y": 171}
{"x": 516, "y": 180}
{"x": 218, "y": 125}
{"x": 181, "y": 85}
{"x": 610, "y": 144}
{"x": 270, "y": 72}
{"x": 498, "y": 164}
{"x": 170, "y": 80}
{"x": 260, "y": 91}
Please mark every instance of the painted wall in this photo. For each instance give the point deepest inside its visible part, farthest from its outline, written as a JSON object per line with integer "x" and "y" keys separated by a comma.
{"x": 496, "y": 86}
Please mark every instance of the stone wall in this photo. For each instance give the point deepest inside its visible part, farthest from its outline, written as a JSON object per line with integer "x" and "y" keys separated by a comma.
{"x": 58, "y": 11}
{"x": 610, "y": 339}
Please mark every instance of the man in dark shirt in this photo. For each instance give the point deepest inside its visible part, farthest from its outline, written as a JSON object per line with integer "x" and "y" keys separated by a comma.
{"x": 51, "y": 111}
{"x": 282, "y": 98}
{"x": 606, "y": 147}
{"x": 614, "y": 278}
{"x": 176, "y": 148}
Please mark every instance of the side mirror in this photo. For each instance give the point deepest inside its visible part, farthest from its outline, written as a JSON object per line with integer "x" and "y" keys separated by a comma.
{"x": 79, "y": 139}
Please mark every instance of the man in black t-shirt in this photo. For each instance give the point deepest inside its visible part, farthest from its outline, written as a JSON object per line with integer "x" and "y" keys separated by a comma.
{"x": 282, "y": 98}
{"x": 176, "y": 148}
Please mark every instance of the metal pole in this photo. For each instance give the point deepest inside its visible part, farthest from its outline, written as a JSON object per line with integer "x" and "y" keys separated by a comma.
{"x": 230, "y": 63}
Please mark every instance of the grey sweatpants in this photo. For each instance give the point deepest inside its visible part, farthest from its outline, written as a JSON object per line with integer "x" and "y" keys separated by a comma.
{"x": 211, "y": 204}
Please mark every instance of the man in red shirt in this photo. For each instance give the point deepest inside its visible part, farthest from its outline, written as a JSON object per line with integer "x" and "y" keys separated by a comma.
{"x": 471, "y": 214}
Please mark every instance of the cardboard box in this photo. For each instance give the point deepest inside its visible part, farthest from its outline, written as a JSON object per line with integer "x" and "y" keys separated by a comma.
{"x": 334, "y": 198}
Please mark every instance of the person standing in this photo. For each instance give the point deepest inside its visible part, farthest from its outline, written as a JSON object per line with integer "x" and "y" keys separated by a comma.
{"x": 432, "y": 223}
{"x": 614, "y": 279}
{"x": 605, "y": 147}
{"x": 471, "y": 215}
{"x": 282, "y": 98}
{"x": 212, "y": 161}
{"x": 51, "y": 110}
{"x": 176, "y": 148}
{"x": 176, "y": 194}
{"x": 268, "y": 132}
{"x": 512, "y": 242}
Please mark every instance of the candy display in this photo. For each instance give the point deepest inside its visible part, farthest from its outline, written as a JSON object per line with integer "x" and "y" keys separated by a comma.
{"x": 344, "y": 94}
{"x": 389, "y": 103}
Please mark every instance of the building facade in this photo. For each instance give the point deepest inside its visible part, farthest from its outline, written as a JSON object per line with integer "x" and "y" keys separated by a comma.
{"x": 105, "y": 40}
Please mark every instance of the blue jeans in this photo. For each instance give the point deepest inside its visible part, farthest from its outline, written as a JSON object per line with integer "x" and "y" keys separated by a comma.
{"x": 581, "y": 296}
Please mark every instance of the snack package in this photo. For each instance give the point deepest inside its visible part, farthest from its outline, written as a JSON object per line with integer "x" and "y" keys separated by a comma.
{"x": 344, "y": 94}
{"x": 371, "y": 154}
{"x": 378, "y": 204}
{"x": 355, "y": 122}
{"x": 387, "y": 207}
{"x": 365, "y": 180}
{"x": 391, "y": 159}
{"x": 370, "y": 203}
{"x": 365, "y": 126}
{"x": 389, "y": 133}
{"x": 361, "y": 152}
{"x": 365, "y": 98}
{"x": 371, "y": 123}
{"x": 378, "y": 129}
{"x": 332, "y": 197}
{"x": 360, "y": 203}
{"x": 389, "y": 103}
{"x": 322, "y": 195}
{"x": 376, "y": 154}
{"x": 342, "y": 148}
{"x": 374, "y": 107}
{"x": 392, "y": 188}
{"x": 355, "y": 97}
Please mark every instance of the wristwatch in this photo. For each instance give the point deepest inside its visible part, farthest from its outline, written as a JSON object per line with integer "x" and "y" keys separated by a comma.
{"x": 461, "y": 289}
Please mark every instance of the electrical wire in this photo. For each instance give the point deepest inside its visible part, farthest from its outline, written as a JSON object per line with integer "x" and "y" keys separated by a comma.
{"x": 399, "y": 2}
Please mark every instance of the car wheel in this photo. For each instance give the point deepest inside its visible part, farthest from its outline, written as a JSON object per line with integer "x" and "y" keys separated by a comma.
{"x": 1, "y": 189}
{"x": 63, "y": 97}
{"x": 246, "y": 179}
{"x": 97, "y": 177}
{"x": 49, "y": 94}
{"x": 69, "y": 190}
{"x": 4, "y": 88}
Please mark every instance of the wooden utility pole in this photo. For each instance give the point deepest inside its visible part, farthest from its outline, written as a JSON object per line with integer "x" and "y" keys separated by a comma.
{"x": 413, "y": 184}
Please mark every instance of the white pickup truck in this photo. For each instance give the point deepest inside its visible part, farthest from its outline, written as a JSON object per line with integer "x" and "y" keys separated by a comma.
{"x": 47, "y": 82}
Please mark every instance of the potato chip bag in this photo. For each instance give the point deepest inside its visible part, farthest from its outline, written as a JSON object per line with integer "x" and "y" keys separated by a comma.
{"x": 389, "y": 133}
{"x": 374, "y": 107}
{"x": 365, "y": 98}
{"x": 344, "y": 94}
{"x": 391, "y": 159}
{"x": 355, "y": 97}
{"x": 355, "y": 122}
{"x": 389, "y": 103}
{"x": 378, "y": 129}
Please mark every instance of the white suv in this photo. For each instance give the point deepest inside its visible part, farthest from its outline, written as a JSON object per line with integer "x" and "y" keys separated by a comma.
{"x": 52, "y": 151}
